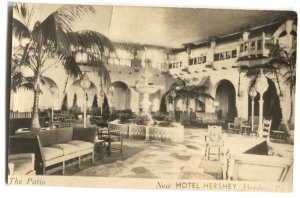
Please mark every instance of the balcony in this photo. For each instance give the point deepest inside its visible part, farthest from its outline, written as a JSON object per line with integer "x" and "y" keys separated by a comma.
{"x": 255, "y": 48}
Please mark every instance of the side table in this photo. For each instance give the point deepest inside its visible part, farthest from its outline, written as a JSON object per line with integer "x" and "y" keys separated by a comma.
{"x": 99, "y": 144}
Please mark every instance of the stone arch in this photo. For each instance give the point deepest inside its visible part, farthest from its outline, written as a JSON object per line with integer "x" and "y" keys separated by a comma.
{"x": 225, "y": 94}
{"x": 272, "y": 109}
{"x": 121, "y": 95}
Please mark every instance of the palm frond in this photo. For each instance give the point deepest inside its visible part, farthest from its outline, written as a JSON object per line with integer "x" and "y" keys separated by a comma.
{"x": 55, "y": 27}
{"x": 18, "y": 80}
{"x": 94, "y": 41}
{"x": 19, "y": 30}
{"x": 66, "y": 15}
{"x": 71, "y": 67}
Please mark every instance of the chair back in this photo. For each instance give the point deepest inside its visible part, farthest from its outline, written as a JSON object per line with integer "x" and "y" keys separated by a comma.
{"x": 255, "y": 120}
{"x": 266, "y": 128}
{"x": 237, "y": 122}
{"x": 214, "y": 133}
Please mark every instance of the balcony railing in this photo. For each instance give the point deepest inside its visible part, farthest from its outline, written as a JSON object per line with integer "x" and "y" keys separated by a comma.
{"x": 254, "y": 48}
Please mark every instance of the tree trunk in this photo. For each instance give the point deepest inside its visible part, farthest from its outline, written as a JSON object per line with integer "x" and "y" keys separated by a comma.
{"x": 35, "y": 122}
{"x": 292, "y": 112}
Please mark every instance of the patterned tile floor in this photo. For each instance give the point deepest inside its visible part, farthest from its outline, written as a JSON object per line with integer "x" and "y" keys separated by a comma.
{"x": 161, "y": 160}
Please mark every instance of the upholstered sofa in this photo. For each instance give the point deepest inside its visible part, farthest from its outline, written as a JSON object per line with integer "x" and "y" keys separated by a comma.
{"x": 56, "y": 148}
{"x": 203, "y": 118}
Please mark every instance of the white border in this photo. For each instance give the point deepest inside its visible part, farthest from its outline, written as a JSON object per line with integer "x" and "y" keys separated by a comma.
{"x": 29, "y": 191}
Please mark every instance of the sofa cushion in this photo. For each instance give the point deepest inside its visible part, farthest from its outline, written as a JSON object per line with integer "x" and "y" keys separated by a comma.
{"x": 81, "y": 144}
{"x": 64, "y": 134}
{"x": 51, "y": 153}
{"x": 48, "y": 137}
{"x": 66, "y": 148}
{"x": 85, "y": 134}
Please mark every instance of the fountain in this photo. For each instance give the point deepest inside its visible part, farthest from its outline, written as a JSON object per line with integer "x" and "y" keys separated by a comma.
{"x": 175, "y": 132}
{"x": 145, "y": 88}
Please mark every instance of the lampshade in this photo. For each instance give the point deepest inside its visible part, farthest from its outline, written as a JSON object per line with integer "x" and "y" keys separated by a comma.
{"x": 261, "y": 83}
{"x": 85, "y": 83}
{"x": 253, "y": 92}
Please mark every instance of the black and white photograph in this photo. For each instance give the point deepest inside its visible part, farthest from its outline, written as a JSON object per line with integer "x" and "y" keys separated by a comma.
{"x": 119, "y": 96}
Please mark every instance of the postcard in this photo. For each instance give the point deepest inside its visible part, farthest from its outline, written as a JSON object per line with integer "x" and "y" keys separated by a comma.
{"x": 151, "y": 97}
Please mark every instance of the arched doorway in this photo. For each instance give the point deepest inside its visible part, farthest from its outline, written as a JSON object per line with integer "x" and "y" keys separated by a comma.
{"x": 225, "y": 95}
{"x": 271, "y": 109}
{"x": 121, "y": 96}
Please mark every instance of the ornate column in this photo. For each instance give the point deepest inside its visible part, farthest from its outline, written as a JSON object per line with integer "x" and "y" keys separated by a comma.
{"x": 253, "y": 94}
{"x": 261, "y": 87}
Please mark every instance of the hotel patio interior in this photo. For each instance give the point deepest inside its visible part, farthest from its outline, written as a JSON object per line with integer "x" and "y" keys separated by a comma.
{"x": 163, "y": 93}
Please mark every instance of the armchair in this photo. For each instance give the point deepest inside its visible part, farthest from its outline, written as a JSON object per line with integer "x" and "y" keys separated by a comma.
{"x": 236, "y": 125}
{"x": 109, "y": 137}
{"x": 21, "y": 164}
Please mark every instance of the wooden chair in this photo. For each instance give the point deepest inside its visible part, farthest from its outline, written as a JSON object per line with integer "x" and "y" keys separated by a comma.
{"x": 236, "y": 125}
{"x": 215, "y": 141}
{"x": 109, "y": 137}
{"x": 246, "y": 126}
{"x": 266, "y": 128}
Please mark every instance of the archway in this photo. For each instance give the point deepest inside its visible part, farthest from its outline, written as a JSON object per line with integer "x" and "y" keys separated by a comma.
{"x": 76, "y": 89}
{"x": 226, "y": 96}
{"x": 121, "y": 96}
{"x": 272, "y": 109}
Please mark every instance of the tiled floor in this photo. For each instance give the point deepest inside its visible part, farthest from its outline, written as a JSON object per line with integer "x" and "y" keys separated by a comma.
{"x": 160, "y": 160}
{"x": 163, "y": 160}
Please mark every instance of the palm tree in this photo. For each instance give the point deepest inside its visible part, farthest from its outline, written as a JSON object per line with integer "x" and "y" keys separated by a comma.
{"x": 282, "y": 63}
{"x": 53, "y": 39}
{"x": 189, "y": 91}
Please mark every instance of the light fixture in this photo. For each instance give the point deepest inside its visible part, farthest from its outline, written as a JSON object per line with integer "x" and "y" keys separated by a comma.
{"x": 261, "y": 86}
{"x": 253, "y": 94}
{"x": 85, "y": 83}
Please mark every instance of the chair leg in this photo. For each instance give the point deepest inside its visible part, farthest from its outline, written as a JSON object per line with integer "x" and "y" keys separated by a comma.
{"x": 121, "y": 149}
{"x": 79, "y": 162}
{"x": 63, "y": 167}
{"x": 93, "y": 157}
{"x": 109, "y": 148}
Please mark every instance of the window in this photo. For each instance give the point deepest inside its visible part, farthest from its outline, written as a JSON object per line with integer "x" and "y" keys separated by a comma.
{"x": 252, "y": 45}
{"x": 241, "y": 48}
{"x": 259, "y": 44}
{"x": 204, "y": 59}
{"x": 234, "y": 54}
{"x": 195, "y": 61}
{"x": 246, "y": 46}
{"x": 216, "y": 57}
